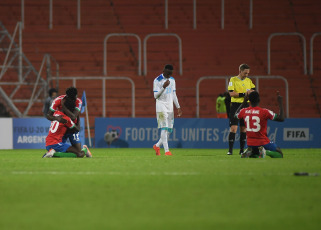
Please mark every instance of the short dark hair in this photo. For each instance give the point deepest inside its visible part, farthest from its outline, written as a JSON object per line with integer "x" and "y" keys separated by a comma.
{"x": 254, "y": 97}
{"x": 169, "y": 67}
{"x": 52, "y": 90}
{"x": 243, "y": 67}
{"x": 72, "y": 92}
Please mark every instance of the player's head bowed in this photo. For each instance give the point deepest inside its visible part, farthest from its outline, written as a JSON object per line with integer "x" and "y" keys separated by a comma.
{"x": 70, "y": 104}
{"x": 254, "y": 98}
{"x": 72, "y": 92}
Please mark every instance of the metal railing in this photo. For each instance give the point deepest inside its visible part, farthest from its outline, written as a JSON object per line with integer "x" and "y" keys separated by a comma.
{"x": 165, "y": 16}
{"x": 22, "y": 14}
{"x": 103, "y": 79}
{"x": 163, "y": 34}
{"x": 51, "y": 14}
{"x": 223, "y": 14}
{"x": 50, "y": 59}
{"x": 5, "y": 66}
{"x": 33, "y": 96}
{"x": 311, "y": 50}
{"x": 46, "y": 61}
{"x": 257, "y": 88}
{"x": 124, "y": 35}
{"x": 287, "y": 34}
{"x": 25, "y": 73}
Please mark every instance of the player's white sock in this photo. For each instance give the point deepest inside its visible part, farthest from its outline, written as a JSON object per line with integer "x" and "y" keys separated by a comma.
{"x": 160, "y": 141}
{"x": 164, "y": 138}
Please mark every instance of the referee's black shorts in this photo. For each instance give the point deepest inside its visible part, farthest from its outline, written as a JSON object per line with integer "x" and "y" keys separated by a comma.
{"x": 233, "y": 119}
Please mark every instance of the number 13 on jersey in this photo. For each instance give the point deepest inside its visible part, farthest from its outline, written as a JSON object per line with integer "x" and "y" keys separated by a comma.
{"x": 252, "y": 123}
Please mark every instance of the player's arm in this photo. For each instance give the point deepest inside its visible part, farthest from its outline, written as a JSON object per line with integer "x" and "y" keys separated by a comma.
{"x": 50, "y": 116}
{"x": 76, "y": 128}
{"x": 235, "y": 94}
{"x": 158, "y": 93}
{"x": 280, "y": 116}
{"x": 73, "y": 127}
{"x": 243, "y": 105}
{"x": 175, "y": 99}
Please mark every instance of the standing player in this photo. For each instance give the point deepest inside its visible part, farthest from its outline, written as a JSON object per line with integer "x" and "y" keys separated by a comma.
{"x": 52, "y": 95}
{"x": 238, "y": 87}
{"x": 55, "y": 143}
{"x": 58, "y": 105}
{"x": 256, "y": 123}
{"x": 165, "y": 95}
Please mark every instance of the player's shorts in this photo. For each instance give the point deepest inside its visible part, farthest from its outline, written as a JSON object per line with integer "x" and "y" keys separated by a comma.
{"x": 165, "y": 120}
{"x": 60, "y": 147}
{"x": 233, "y": 119}
{"x": 269, "y": 146}
{"x": 73, "y": 138}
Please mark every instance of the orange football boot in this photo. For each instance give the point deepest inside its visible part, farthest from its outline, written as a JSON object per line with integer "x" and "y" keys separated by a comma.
{"x": 168, "y": 153}
{"x": 157, "y": 150}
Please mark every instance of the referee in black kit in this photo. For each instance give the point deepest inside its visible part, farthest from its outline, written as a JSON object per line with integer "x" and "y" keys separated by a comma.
{"x": 238, "y": 87}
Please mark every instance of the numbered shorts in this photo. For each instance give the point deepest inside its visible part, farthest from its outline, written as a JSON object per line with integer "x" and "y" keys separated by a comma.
{"x": 165, "y": 120}
{"x": 72, "y": 137}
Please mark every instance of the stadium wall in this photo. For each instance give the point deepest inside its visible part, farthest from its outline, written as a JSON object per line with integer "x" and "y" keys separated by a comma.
{"x": 211, "y": 133}
{"x": 27, "y": 133}
{"x": 30, "y": 133}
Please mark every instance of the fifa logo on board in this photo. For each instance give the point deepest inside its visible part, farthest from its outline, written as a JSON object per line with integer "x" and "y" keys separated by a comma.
{"x": 296, "y": 134}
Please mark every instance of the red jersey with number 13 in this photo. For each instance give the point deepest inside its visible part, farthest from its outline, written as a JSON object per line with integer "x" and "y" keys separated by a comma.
{"x": 255, "y": 119}
{"x": 57, "y": 130}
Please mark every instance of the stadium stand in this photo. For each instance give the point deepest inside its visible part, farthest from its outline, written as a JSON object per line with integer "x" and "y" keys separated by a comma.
{"x": 208, "y": 49}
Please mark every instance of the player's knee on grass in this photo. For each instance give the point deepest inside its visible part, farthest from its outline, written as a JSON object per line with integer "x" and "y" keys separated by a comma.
{"x": 74, "y": 150}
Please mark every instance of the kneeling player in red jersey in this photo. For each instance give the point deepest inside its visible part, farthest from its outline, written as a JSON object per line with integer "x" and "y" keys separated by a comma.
{"x": 55, "y": 143}
{"x": 256, "y": 119}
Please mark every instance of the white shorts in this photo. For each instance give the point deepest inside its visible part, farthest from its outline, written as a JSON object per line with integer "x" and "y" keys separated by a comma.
{"x": 165, "y": 120}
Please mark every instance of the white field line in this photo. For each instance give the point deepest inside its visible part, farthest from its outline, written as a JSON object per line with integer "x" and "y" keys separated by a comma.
{"x": 105, "y": 173}
{"x": 113, "y": 173}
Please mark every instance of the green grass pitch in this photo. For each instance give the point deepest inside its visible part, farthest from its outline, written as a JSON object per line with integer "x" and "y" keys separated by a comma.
{"x": 133, "y": 189}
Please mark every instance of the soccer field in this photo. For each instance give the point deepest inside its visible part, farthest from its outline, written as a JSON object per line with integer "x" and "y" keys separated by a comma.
{"x": 134, "y": 189}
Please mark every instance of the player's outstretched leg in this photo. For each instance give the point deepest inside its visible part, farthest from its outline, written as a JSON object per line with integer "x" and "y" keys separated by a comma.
{"x": 64, "y": 155}
{"x": 164, "y": 136}
{"x": 274, "y": 154}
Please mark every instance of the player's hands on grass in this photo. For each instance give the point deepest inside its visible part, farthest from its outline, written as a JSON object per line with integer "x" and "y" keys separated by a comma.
{"x": 166, "y": 84}
{"x": 179, "y": 112}
{"x": 61, "y": 120}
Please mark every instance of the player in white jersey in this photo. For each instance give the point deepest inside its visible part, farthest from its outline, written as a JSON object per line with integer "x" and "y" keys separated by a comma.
{"x": 165, "y": 95}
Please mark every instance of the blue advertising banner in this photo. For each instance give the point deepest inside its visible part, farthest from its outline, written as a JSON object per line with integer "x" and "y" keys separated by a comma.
{"x": 31, "y": 133}
{"x": 200, "y": 133}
